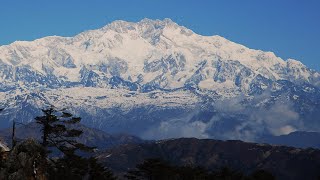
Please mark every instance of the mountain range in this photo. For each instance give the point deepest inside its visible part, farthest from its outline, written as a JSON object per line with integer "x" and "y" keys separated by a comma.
{"x": 285, "y": 163}
{"x": 156, "y": 79}
{"x": 91, "y": 137}
{"x": 122, "y": 153}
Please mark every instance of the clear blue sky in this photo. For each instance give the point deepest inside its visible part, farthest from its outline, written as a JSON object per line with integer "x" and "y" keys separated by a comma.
{"x": 290, "y": 28}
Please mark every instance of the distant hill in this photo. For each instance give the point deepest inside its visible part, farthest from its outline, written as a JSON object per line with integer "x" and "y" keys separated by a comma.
{"x": 283, "y": 162}
{"x": 296, "y": 139}
{"x": 90, "y": 136}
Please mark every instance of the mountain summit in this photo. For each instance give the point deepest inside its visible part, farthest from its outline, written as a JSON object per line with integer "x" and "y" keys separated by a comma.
{"x": 157, "y": 73}
{"x": 158, "y": 53}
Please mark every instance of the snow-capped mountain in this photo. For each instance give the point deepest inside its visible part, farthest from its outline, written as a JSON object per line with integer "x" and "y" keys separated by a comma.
{"x": 154, "y": 75}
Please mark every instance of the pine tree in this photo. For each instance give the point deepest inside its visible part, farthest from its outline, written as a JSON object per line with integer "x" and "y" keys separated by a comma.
{"x": 58, "y": 132}
{"x": 153, "y": 169}
{"x": 98, "y": 172}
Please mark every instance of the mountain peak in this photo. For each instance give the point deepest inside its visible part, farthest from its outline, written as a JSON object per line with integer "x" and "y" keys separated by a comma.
{"x": 159, "y": 23}
{"x": 151, "y": 63}
{"x": 158, "y": 50}
{"x": 293, "y": 62}
{"x": 143, "y": 25}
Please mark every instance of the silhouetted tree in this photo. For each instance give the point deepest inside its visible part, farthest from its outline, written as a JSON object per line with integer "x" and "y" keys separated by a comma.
{"x": 58, "y": 132}
{"x": 227, "y": 173}
{"x": 153, "y": 169}
{"x": 261, "y": 175}
{"x": 68, "y": 167}
{"x": 77, "y": 167}
{"x": 157, "y": 169}
{"x": 99, "y": 172}
{"x": 13, "y": 139}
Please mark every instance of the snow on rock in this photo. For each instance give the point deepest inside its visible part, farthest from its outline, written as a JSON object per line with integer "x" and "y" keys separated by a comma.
{"x": 154, "y": 63}
{"x": 150, "y": 51}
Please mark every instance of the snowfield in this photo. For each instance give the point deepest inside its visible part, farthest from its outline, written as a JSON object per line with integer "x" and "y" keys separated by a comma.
{"x": 154, "y": 72}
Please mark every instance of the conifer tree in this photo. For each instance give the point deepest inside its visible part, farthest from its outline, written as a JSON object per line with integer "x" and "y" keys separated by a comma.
{"x": 59, "y": 131}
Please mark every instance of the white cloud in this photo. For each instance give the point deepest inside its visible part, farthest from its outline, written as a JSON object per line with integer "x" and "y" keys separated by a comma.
{"x": 177, "y": 128}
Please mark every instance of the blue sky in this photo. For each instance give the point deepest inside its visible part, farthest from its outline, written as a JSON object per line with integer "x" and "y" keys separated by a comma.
{"x": 290, "y": 28}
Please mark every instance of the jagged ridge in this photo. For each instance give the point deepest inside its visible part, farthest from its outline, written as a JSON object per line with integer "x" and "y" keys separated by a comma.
{"x": 141, "y": 71}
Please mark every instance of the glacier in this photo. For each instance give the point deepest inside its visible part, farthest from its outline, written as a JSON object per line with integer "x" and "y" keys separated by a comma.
{"x": 157, "y": 79}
